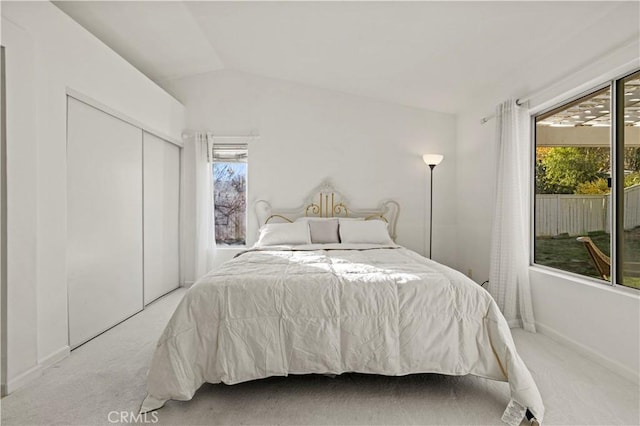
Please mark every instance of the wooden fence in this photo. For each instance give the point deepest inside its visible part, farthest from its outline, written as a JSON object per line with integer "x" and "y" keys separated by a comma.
{"x": 579, "y": 214}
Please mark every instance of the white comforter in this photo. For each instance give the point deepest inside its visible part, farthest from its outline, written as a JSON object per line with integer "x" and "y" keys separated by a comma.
{"x": 273, "y": 312}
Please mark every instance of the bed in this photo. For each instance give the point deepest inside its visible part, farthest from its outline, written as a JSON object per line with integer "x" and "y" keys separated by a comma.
{"x": 299, "y": 303}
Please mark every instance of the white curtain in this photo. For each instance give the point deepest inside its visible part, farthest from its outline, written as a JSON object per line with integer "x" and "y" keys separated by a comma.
{"x": 509, "y": 273}
{"x": 205, "y": 241}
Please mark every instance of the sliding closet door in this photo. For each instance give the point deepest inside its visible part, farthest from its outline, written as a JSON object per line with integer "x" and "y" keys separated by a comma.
{"x": 161, "y": 217}
{"x": 104, "y": 221}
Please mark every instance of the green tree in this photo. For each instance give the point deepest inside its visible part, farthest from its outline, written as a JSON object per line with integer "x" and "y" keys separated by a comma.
{"x": 543, "y": 185}
{"x": 600, "y": 185}
{"x": 632, "y": 159}
{"x": 564, "y": 168}
{"x": 595, "y": 187}
{"x": 632, "y": 179}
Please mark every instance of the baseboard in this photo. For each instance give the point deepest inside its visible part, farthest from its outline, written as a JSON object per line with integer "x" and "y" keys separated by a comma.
{"x": 22, "y": 379}
{"x": 55, "y": 357}
{"x": 187, "y": 284}
{"x": 36, "y": 371}
{"x": 613, "y": 365}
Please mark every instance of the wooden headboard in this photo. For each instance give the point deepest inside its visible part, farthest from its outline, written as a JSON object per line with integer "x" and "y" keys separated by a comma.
{"x": 326, "y": 201}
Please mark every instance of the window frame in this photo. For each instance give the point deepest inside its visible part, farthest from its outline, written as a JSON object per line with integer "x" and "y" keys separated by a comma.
{"x": 244, "y": 143}
{"x": 617, "y": 146}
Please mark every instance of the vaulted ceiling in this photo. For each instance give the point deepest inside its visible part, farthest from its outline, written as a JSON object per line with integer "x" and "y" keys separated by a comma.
{"x": 433, "y": 55}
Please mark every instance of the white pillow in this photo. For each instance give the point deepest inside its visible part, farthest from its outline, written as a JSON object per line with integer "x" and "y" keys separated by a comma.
{"x": 275, "y": 234}
{"x": 364, "y": 232}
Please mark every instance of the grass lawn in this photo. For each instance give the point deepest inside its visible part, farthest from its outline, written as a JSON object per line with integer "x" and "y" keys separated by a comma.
{"x": 566, "y": 253}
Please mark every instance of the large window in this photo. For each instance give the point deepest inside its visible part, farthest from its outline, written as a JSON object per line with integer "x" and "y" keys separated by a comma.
{"x": 229, "y": 174}
{"x": 587, "y": 184}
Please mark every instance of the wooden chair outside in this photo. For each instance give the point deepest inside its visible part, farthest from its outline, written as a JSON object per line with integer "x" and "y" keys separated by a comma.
{"x": 601, "y": 261}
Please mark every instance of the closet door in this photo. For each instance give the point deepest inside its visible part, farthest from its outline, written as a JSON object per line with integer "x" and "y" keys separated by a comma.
{"x": 104, "y": 221}
{"x": 161, "y": 217}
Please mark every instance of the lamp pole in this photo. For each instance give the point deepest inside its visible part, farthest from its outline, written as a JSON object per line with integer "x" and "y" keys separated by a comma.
{"x": 431, "y": 167}
{"x": 431, "y": 160}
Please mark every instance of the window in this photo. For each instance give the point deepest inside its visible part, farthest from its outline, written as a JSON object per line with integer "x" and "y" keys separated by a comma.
{"x": 229, "y": 174}
{"x": 587, "y": 184}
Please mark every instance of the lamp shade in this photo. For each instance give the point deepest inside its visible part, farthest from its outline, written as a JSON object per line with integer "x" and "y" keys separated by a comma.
{"x": 433, "y": 159}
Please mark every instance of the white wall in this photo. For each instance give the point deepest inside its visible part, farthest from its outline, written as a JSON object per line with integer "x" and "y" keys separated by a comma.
{"x": 602, "y": 322}
{"x": 47, "y": 53}
{"x": 3, "y": 217}
{"x": 21, "y": 200}
{"x": 371, "y": 150}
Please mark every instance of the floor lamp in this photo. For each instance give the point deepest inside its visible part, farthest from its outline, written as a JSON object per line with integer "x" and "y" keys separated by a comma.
{"x": 431, "y": 160}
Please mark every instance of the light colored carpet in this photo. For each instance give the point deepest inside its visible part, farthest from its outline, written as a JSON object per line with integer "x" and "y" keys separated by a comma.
{"x": 108, "y": 375}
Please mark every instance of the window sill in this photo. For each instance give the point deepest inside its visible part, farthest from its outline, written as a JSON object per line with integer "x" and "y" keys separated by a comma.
{"x": 591, "y": 282}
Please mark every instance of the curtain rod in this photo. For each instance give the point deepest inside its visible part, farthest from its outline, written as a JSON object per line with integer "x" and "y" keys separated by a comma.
{"x": 188, "y": 134}
{"x": 489, "y": 117}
